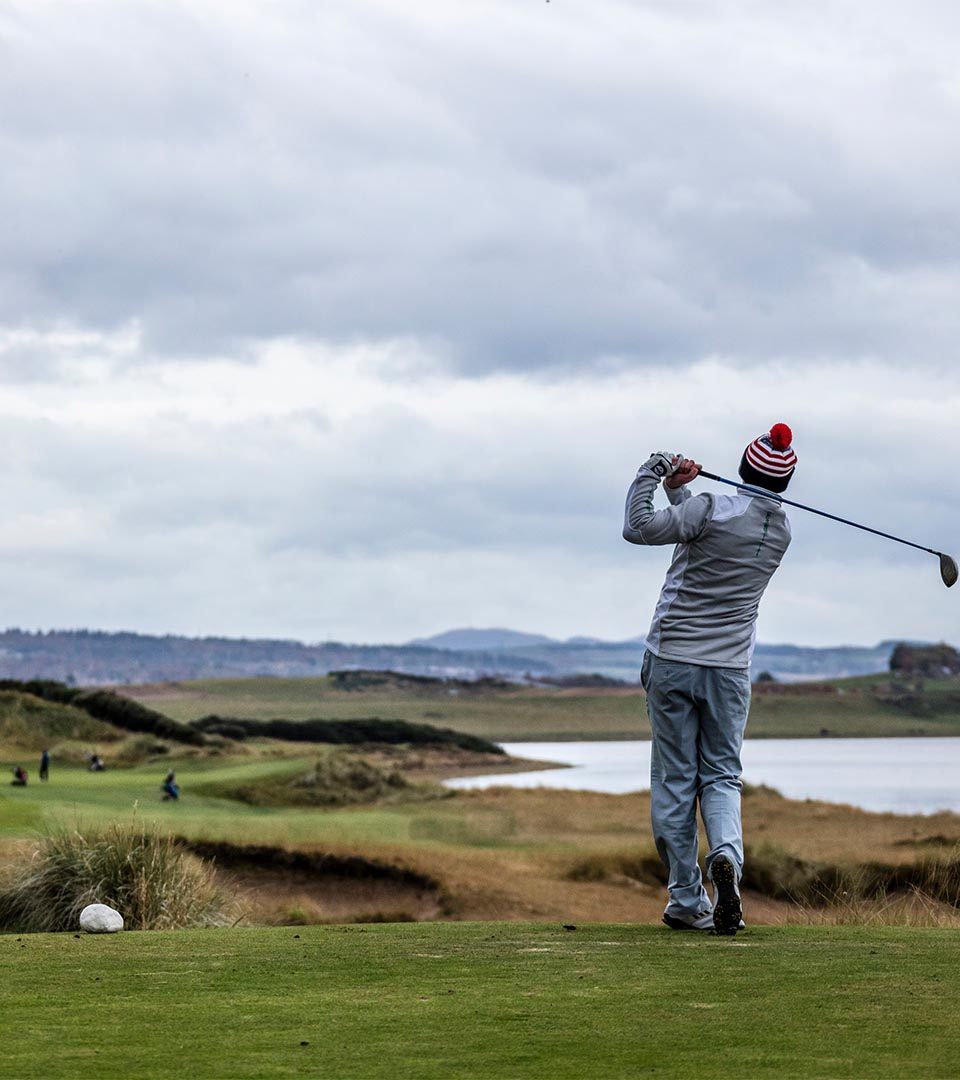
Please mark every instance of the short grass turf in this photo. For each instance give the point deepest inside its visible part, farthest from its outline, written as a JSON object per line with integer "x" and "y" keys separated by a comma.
{"x": 76, "y": 797}
{"x": 481, "y": 1000}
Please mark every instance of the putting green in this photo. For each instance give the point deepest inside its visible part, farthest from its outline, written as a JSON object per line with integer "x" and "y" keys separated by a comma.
{"x": 480, "y": 1000}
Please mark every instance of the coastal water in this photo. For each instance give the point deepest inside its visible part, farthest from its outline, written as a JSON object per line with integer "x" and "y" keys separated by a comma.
{"x": 905, "y": 776}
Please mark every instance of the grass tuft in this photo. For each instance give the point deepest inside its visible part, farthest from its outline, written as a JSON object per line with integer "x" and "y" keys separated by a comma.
{"x": 153, "y": 883}
{"x": 911, "y": 893}
{"x": 619, "y": 867}
{"x": 338, "y": 778}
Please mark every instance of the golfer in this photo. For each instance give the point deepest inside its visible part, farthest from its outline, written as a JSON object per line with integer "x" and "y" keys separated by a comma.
{"x": 697, "y": 660}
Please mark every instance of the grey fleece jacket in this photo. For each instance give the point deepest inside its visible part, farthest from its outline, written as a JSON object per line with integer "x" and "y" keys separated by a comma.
{"x": 728, "y": 548}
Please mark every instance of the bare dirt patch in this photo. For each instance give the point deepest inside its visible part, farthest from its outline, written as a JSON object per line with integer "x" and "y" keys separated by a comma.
{"x": 284, "y": 887}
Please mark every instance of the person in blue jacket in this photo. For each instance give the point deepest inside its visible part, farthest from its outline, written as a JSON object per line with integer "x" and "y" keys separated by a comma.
{"x": 170, "y": 787}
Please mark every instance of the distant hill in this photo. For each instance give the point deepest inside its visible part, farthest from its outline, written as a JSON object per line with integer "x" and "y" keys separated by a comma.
{"x": 471, "y": 639}
{"x": 97, "y": 658}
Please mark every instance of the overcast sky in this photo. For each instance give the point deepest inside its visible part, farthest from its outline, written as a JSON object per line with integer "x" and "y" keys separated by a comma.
{"x": 353, "y": 320}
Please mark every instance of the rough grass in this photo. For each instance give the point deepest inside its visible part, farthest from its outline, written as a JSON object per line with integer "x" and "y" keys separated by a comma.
{"x": 812, "y": 883}
{"x": 922, "y": 893}
{"x": 32, "y": 724}
{"x": 532, "y": 854}
{"x": 143, "y": 874}
{"x": 481, "y": 1001}
{"x": 335, "y": 779}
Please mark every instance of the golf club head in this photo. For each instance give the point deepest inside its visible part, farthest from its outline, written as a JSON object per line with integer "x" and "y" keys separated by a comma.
{"x": 948, "y": 570}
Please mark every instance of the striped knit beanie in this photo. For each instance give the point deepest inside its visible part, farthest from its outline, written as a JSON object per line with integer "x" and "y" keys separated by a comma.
{"x": 769, "y": 460}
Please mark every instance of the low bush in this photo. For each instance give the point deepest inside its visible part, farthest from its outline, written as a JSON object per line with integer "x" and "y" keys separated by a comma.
{"x": 108, "y": 706}
{"x": 347, "y": 732}
{"x": 814, "y": 886}
{"x": 644, "y": 868}
{"x": 137, "y": 749}
{"x": 357, "y": 679}
{"x": 130, "y": 715}
{"x": 153, "y": 883}
{"x": 585, "y": 682}
{"x": 775, "y": 873}
{"x": 364, "y": 679}
{"x": 337, "y": 779}
{"x": 27, "y": 721}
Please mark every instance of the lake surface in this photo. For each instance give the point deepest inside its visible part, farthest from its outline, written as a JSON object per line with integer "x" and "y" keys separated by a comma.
{"x": 906, "y": 776}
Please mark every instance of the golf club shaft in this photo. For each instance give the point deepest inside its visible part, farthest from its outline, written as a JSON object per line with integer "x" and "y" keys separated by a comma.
{"x": 813, "y": 510}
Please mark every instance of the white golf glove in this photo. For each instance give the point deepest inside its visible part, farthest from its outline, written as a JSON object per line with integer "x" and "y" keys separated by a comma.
{"x": 663, "y": 464}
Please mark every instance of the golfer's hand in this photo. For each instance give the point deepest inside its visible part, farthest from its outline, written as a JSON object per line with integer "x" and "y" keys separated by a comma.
{"x": 686, "y": 470}
{"x": 662, "y": 463}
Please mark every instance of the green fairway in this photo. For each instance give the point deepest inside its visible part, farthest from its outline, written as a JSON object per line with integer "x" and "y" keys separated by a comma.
{"x": 75, "y": 797}
{"x": 480, "y": 1000}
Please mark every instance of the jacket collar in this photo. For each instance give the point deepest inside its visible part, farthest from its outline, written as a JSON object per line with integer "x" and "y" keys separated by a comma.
{"x": 749, "y": 489}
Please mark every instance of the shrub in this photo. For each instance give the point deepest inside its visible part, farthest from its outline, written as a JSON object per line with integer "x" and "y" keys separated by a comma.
{"x": 30, "y": 722}
{"x": 337, "y": 779}
{"x": 110, "y": 707}
{"x": 225, "y": 729}
{"x": 136, "y": 749}
{"x": 776, "y": 873}
{"x": 644, "y": 867}
{"x": 130, "y": 715}
{"x": 364, "y": 679}
{"x": 349, "y": 732}
{"x": 933, "y": 661}
{"x": 153, "y": 883}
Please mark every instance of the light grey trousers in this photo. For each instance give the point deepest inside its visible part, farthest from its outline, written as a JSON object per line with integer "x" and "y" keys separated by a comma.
{"x": 697, "y": 716}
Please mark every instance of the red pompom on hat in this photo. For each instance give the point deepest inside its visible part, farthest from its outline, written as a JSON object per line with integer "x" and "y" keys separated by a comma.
{"x": 771, "y": 453}
{"x": 781, "y": 437}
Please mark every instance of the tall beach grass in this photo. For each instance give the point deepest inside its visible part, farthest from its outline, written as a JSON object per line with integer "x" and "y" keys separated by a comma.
{"x": 153, "y": 883}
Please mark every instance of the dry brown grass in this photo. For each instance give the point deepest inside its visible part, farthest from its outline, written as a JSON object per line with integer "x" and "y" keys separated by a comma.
{"x": 505, "y": 853}
{"x": 837, "y": 833}
{"x": 914, "y": 908}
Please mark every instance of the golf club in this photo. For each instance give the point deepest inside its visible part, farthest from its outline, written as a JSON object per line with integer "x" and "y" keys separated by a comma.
{"x": 948, "y": 565}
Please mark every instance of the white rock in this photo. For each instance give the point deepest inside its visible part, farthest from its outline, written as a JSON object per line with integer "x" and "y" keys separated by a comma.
{"x": 100, "y": 919}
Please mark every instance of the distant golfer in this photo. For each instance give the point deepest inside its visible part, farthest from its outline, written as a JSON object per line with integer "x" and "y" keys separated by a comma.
{"x": 45, "y": 765}
{"x": 170, "y": 787}
{"x": 696, "y": 666}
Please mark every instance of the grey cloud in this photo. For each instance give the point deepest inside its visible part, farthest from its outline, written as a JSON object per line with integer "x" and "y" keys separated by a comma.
{"x": 532, "y": 189}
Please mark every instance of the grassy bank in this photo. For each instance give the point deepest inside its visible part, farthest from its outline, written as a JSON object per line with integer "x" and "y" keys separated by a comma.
{"x": 480, "y": 1000}
{"x": 503, "y": 853}
{"x": 859, "y": 707}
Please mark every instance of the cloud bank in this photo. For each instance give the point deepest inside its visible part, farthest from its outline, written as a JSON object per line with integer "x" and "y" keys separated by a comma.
{"x": 520, "y": 186}
{"x": 354, "y": 321}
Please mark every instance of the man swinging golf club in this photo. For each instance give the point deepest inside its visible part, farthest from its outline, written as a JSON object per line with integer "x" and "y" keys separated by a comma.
{"x": 696, "y": 665}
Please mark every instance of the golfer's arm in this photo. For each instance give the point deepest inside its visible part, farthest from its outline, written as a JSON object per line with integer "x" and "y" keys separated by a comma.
{"x": 672, "y": 525}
